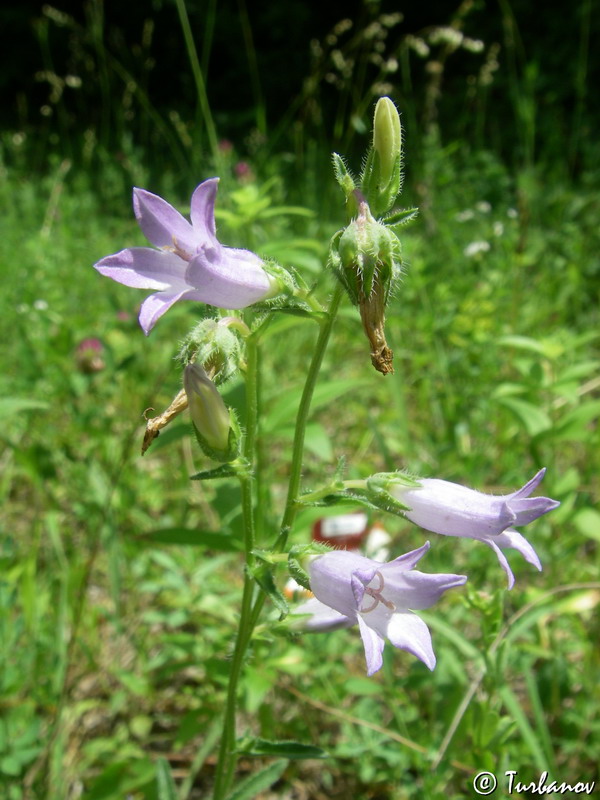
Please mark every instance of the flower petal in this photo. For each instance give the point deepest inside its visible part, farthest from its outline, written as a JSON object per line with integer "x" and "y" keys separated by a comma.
{"x": 163, "y": 225}
{"x": 155, "y": 306}
{"x": 331, "y": 579}
{"x": 531, "y": 485}
{"x": 408, "y": 560}
{"x": 417, "y": 590}
{"x": 322, "y": 618}
{"x": 144, "y": 268}
{"x": 453, "y": 510}
{"x": 225, "y": 280}
{"x": 514, "y": 539}
{"x": 526, "y": 509}
{"x": 202, "y": 211}
{"x": 502, "y": 559}
{"x": 408, "y": 632}
{"x": 373, "y": 644}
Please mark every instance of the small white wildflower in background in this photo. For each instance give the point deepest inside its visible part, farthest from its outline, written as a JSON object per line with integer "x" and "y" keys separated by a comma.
{"x": 446, "y": 35}
{"x": 483, "y": 206}
{"x": 464, "y": 216}
{"x": 420, "y": 46}
{"x": 512, "y": 213}
{"x": 498, "y": 228}
{"x": 474, "y": 248}
{"x": 40, "y": 305}
{"x": 473, "y": 45}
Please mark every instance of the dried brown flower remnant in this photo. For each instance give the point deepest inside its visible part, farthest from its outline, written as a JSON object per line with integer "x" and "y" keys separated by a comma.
{"x": 156, "y": 424}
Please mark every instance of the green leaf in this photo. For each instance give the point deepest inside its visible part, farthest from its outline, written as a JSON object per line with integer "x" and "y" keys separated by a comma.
{"x": 278, "y": 211}
{"x": 259, "y": 782}
{"x": 190, "y": 536}
{"x": 224, "y": 471}
{"x": 9, "y": 765}
{"x": 345, "y": 499}
{"x": 526, "y": 343}
{"x": 286, "y": 749}
{"x": 401, "y": 217}
{"x": 263, "y": 575}
{"x": 575, "y": 424}
{"x": 298, "y": 572}
{"x": 164, "y": 781}
{"x": 533, "y": 418}
{"x": 14, "y": 405}
{"x": 284, "y": 409}
{"x": 529, "y": 736}
{"x": 317, "y": 440}
{"x": 587, "y": 522}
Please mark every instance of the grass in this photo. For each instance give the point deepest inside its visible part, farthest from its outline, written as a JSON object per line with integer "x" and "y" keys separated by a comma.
{"x": 115, "y": 647}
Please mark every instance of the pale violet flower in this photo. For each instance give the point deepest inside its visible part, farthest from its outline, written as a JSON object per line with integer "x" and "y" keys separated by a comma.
{"x": 191, "y": 263}
{"x": 351, "y": 589}
{"x": 454, "y": 510}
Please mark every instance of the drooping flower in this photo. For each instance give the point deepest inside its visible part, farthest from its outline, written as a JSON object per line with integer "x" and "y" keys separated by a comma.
{"x": 351, "y": 589}
{"x": 191, "y": 263}
{"x": 454, "y": 510}
{"x": 210, "y": 416}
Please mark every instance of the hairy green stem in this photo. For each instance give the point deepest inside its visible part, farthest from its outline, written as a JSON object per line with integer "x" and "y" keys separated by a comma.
{"x": 291, "y": 509}
{"x": 227, "y": 755}
{"x": 250, "y": 613}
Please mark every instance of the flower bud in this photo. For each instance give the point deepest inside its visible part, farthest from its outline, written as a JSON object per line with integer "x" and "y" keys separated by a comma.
{"x": 382, "y": 176}
{"x": 210, "y": 416}
{"x": 387, "y": 139}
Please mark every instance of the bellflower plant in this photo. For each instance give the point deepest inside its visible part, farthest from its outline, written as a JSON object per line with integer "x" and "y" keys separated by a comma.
{"x": 380, "y": 598}
{"x": 187, "y": 262}
{"x": 454, "y": 510}
{"x": 191, "y": 263}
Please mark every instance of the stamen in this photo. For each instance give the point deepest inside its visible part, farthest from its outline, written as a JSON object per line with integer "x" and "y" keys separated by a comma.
{"x": 177, "y": 250}
{"x": 375, "y": 593}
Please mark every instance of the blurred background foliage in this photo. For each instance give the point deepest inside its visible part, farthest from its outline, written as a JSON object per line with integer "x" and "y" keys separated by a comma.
{"x": 114, "y": 634}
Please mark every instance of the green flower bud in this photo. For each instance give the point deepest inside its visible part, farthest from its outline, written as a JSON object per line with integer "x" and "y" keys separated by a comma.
{"x": 381, "y": 180}
{"x": 387, "y": 139}
{"x": 211, "y": 418}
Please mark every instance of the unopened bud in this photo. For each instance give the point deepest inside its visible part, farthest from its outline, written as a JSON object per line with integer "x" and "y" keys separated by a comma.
{"x": 387, "y": 138}
{"x": 382, "y": 176}
{"x": 210, "y": 416}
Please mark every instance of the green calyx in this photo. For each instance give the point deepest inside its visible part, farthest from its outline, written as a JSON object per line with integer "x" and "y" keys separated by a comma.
{"x": 380, "y": 491}
{"x": 213, "y": 344}
{"x": 366, "y": 254}
{"x": 216, "y": 451}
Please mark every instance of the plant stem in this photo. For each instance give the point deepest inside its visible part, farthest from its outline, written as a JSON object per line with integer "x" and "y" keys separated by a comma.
{"x": 291, "y": 509}
{"x": 227, "y": 756}
{"x": 249, "y": 613}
